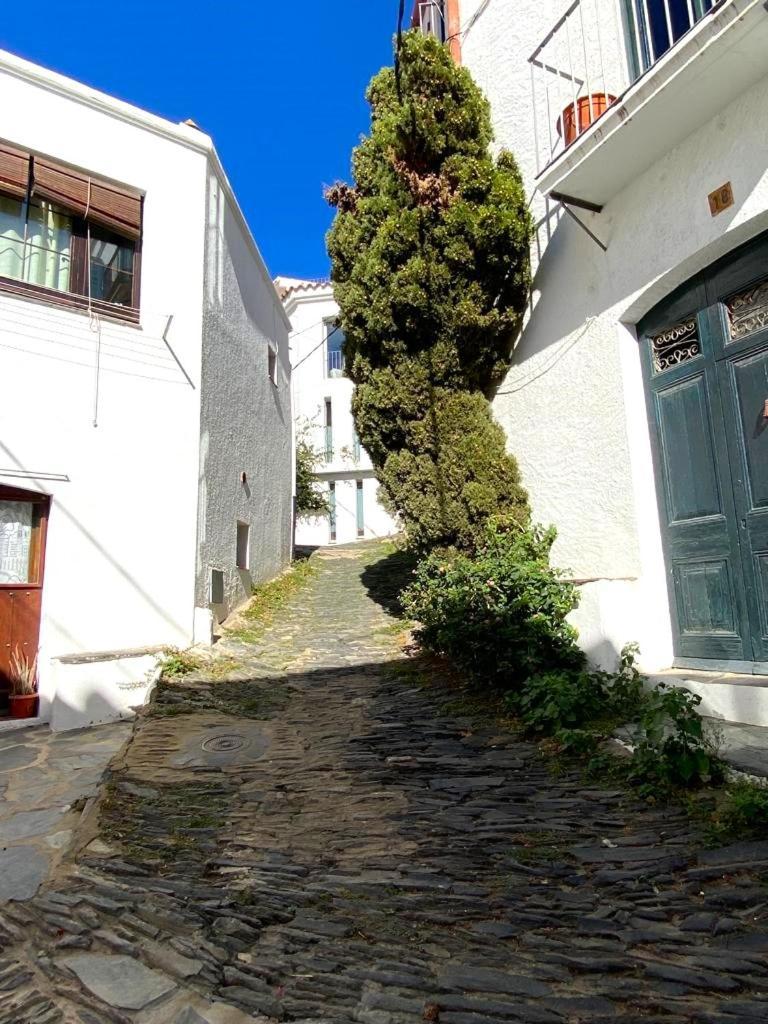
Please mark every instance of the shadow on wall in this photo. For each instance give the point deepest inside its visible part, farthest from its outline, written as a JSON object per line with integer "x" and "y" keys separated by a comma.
{"x": 59, "y": 508}
{"x": 95, "y": 693}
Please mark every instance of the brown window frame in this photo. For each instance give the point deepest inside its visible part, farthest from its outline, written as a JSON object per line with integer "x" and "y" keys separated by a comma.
{"x": 41, "y": 506}
{"x": 77, "y": 297}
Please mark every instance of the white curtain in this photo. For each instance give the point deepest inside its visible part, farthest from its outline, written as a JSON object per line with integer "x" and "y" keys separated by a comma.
{"x": 49, "y": 237}
{"x": 11, "y": 237}
{"x": 15, "y": 541}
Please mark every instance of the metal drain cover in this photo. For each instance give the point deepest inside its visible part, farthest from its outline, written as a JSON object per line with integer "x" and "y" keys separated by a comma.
{"x": 222, "y": 744}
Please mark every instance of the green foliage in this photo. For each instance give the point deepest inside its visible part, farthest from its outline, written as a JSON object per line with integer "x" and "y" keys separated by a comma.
{"x": 310, "y": 500}
{"x": 430, "y": 255}
{"x": 581, "y": 709}
{"x": 555, "y": 702}
{"x": 500, "y": 614}
{"x": 740, "y": 813}
{"x": 270, "y": 598}
{"x": 672, "y": 746}
{"x": 179, "y": 663}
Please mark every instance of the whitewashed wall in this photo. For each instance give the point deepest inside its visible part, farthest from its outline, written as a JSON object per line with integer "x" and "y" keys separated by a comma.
{"x": 309, "y": 309}
{"x": 120, "y": 559}
{"x": 573, "y": 402}
{"x": 121, "y": 564}
{"x": 245, "y": 417}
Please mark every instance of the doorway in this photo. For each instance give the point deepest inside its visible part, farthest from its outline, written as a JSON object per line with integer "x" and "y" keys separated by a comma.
{"x": 705, "y": 357}
{"x": 23, "y": 529}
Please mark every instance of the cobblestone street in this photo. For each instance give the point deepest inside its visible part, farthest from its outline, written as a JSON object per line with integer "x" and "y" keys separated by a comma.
{"x": 305, "y": 833}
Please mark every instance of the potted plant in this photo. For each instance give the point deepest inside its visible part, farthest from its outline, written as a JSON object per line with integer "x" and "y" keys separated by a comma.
{"x": 580, "y": 114}
{"x": 23, "y": 695}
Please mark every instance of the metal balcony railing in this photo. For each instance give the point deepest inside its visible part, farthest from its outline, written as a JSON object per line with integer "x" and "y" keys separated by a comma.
{"x": 430, "y": 18}
{"x": 592, "y": 54}
{"x": 335, "y": 362}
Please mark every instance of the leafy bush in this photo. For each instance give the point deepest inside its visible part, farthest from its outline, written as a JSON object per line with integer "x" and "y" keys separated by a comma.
{"x": 558, "y": 701}
{"x": 310, "y": 500}
{"x": 500, "y": 614}
{"x": 741, "y": 812}
{"x": 430, "y": 252}
{"x": 672, "y": 745}
{"x": 179, "y": 663}
{"x": 580, "y": 709}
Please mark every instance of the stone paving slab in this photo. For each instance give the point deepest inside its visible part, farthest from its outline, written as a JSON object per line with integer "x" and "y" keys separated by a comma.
{"x": 381, "y": 860}
{"x": 44, "y": 779}
{"x": 744, "y": 747}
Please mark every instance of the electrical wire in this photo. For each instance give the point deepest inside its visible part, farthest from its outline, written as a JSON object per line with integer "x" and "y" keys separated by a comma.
{"x": 321, "y": 343}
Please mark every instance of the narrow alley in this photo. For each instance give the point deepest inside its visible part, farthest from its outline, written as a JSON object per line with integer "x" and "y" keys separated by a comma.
{"x": 310, "y": 832}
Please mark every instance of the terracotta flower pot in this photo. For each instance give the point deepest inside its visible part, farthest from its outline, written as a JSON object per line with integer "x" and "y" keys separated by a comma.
{"x": 578, "y": 116}
{"x": 24, "y": 705}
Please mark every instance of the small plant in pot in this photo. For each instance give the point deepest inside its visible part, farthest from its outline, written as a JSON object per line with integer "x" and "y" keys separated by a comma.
{"x": 23, "y": 696}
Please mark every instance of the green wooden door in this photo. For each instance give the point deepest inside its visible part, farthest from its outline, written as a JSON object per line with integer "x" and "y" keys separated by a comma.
{"x": 705, "y": 352}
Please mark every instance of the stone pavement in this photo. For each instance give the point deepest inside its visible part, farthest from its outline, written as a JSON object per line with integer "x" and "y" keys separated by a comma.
{"x": 45, "y": 780}
{"x": 316, "y": 837}
{"x": 743, "y": 747}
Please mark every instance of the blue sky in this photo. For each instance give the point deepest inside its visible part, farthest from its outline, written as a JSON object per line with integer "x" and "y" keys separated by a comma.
{"x": 279, "y": 86}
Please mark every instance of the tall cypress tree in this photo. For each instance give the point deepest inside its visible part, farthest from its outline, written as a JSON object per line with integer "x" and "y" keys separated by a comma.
{"x": 430, "y": 254}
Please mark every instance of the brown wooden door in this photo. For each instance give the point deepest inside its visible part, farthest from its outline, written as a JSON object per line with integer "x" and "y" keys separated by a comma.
{"x": 23, "y": 524}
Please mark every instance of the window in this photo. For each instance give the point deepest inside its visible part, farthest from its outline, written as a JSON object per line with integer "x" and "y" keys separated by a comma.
{"x": 332, "y": 509}
{"x": 355, "y": 446}
{"x": 334, "y": 340}
{"x": 429, "y": 17}
{"x": 360, "y": 510}
{"x": 654, "y": 26}
{"x": 272, "y": 364}
{"x": 243, "y": 545}
{"x": 22, "y": 531}
{"x": 328, "y": 430}
{"x": 217, "y": 586}
{"x": 68, "y": 237}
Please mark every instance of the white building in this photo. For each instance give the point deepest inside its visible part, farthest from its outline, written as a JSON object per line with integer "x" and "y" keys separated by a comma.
{"x": 637, "y": 404}
{"x": 322, "y": 398}
{"x": 145, "y": 420}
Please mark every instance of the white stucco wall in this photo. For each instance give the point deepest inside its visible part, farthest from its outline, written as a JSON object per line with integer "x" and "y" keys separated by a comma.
{"x": 120, "y": 557}
{"x": 245, "y": 424}
{"x": 573, "y": 402}
{"x": 310, "y": 309}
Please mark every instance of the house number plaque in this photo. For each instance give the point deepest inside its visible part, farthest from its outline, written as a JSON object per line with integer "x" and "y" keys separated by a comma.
{"x": 720, "y": 199}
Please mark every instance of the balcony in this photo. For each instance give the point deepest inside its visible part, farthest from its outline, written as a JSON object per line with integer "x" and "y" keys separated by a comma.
{"x": 335, "y": 363}
{"x": 428, "y": 16}
{"x": 618, "y": 83}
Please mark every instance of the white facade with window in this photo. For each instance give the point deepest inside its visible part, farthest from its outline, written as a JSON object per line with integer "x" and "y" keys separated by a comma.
{"x": 145, "y": 412}
{"x": 646, "y": 121}
{"x": 322, "y": 398}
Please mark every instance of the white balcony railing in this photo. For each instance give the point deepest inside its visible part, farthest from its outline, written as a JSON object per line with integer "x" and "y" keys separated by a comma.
{"x": 592, "y": 54}
{"x": 335, "y": 363}
{"x": 430, "y": 18}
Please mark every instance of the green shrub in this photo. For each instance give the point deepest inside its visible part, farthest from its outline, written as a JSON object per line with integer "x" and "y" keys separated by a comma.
{"x": 672, "y": 747}
{"x": 500, "y": 614}
{"x": 740, "y": 813}
{"x": 554, "y": 702}
{"x": 179, "y": 663}
{"x": 310, "y": 499}
{"x": 580, "y": 709}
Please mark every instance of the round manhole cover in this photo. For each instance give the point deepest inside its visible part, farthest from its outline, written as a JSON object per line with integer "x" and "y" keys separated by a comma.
{"x": 222, "y": 744}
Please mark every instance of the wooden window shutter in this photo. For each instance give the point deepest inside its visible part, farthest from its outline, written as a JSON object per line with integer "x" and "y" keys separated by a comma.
{"x": 113, "y": 207}
{"x": 14, "y": 171}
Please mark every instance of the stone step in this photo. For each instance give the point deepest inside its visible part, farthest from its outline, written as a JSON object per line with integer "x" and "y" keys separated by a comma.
{"x": 742, "y": 699}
